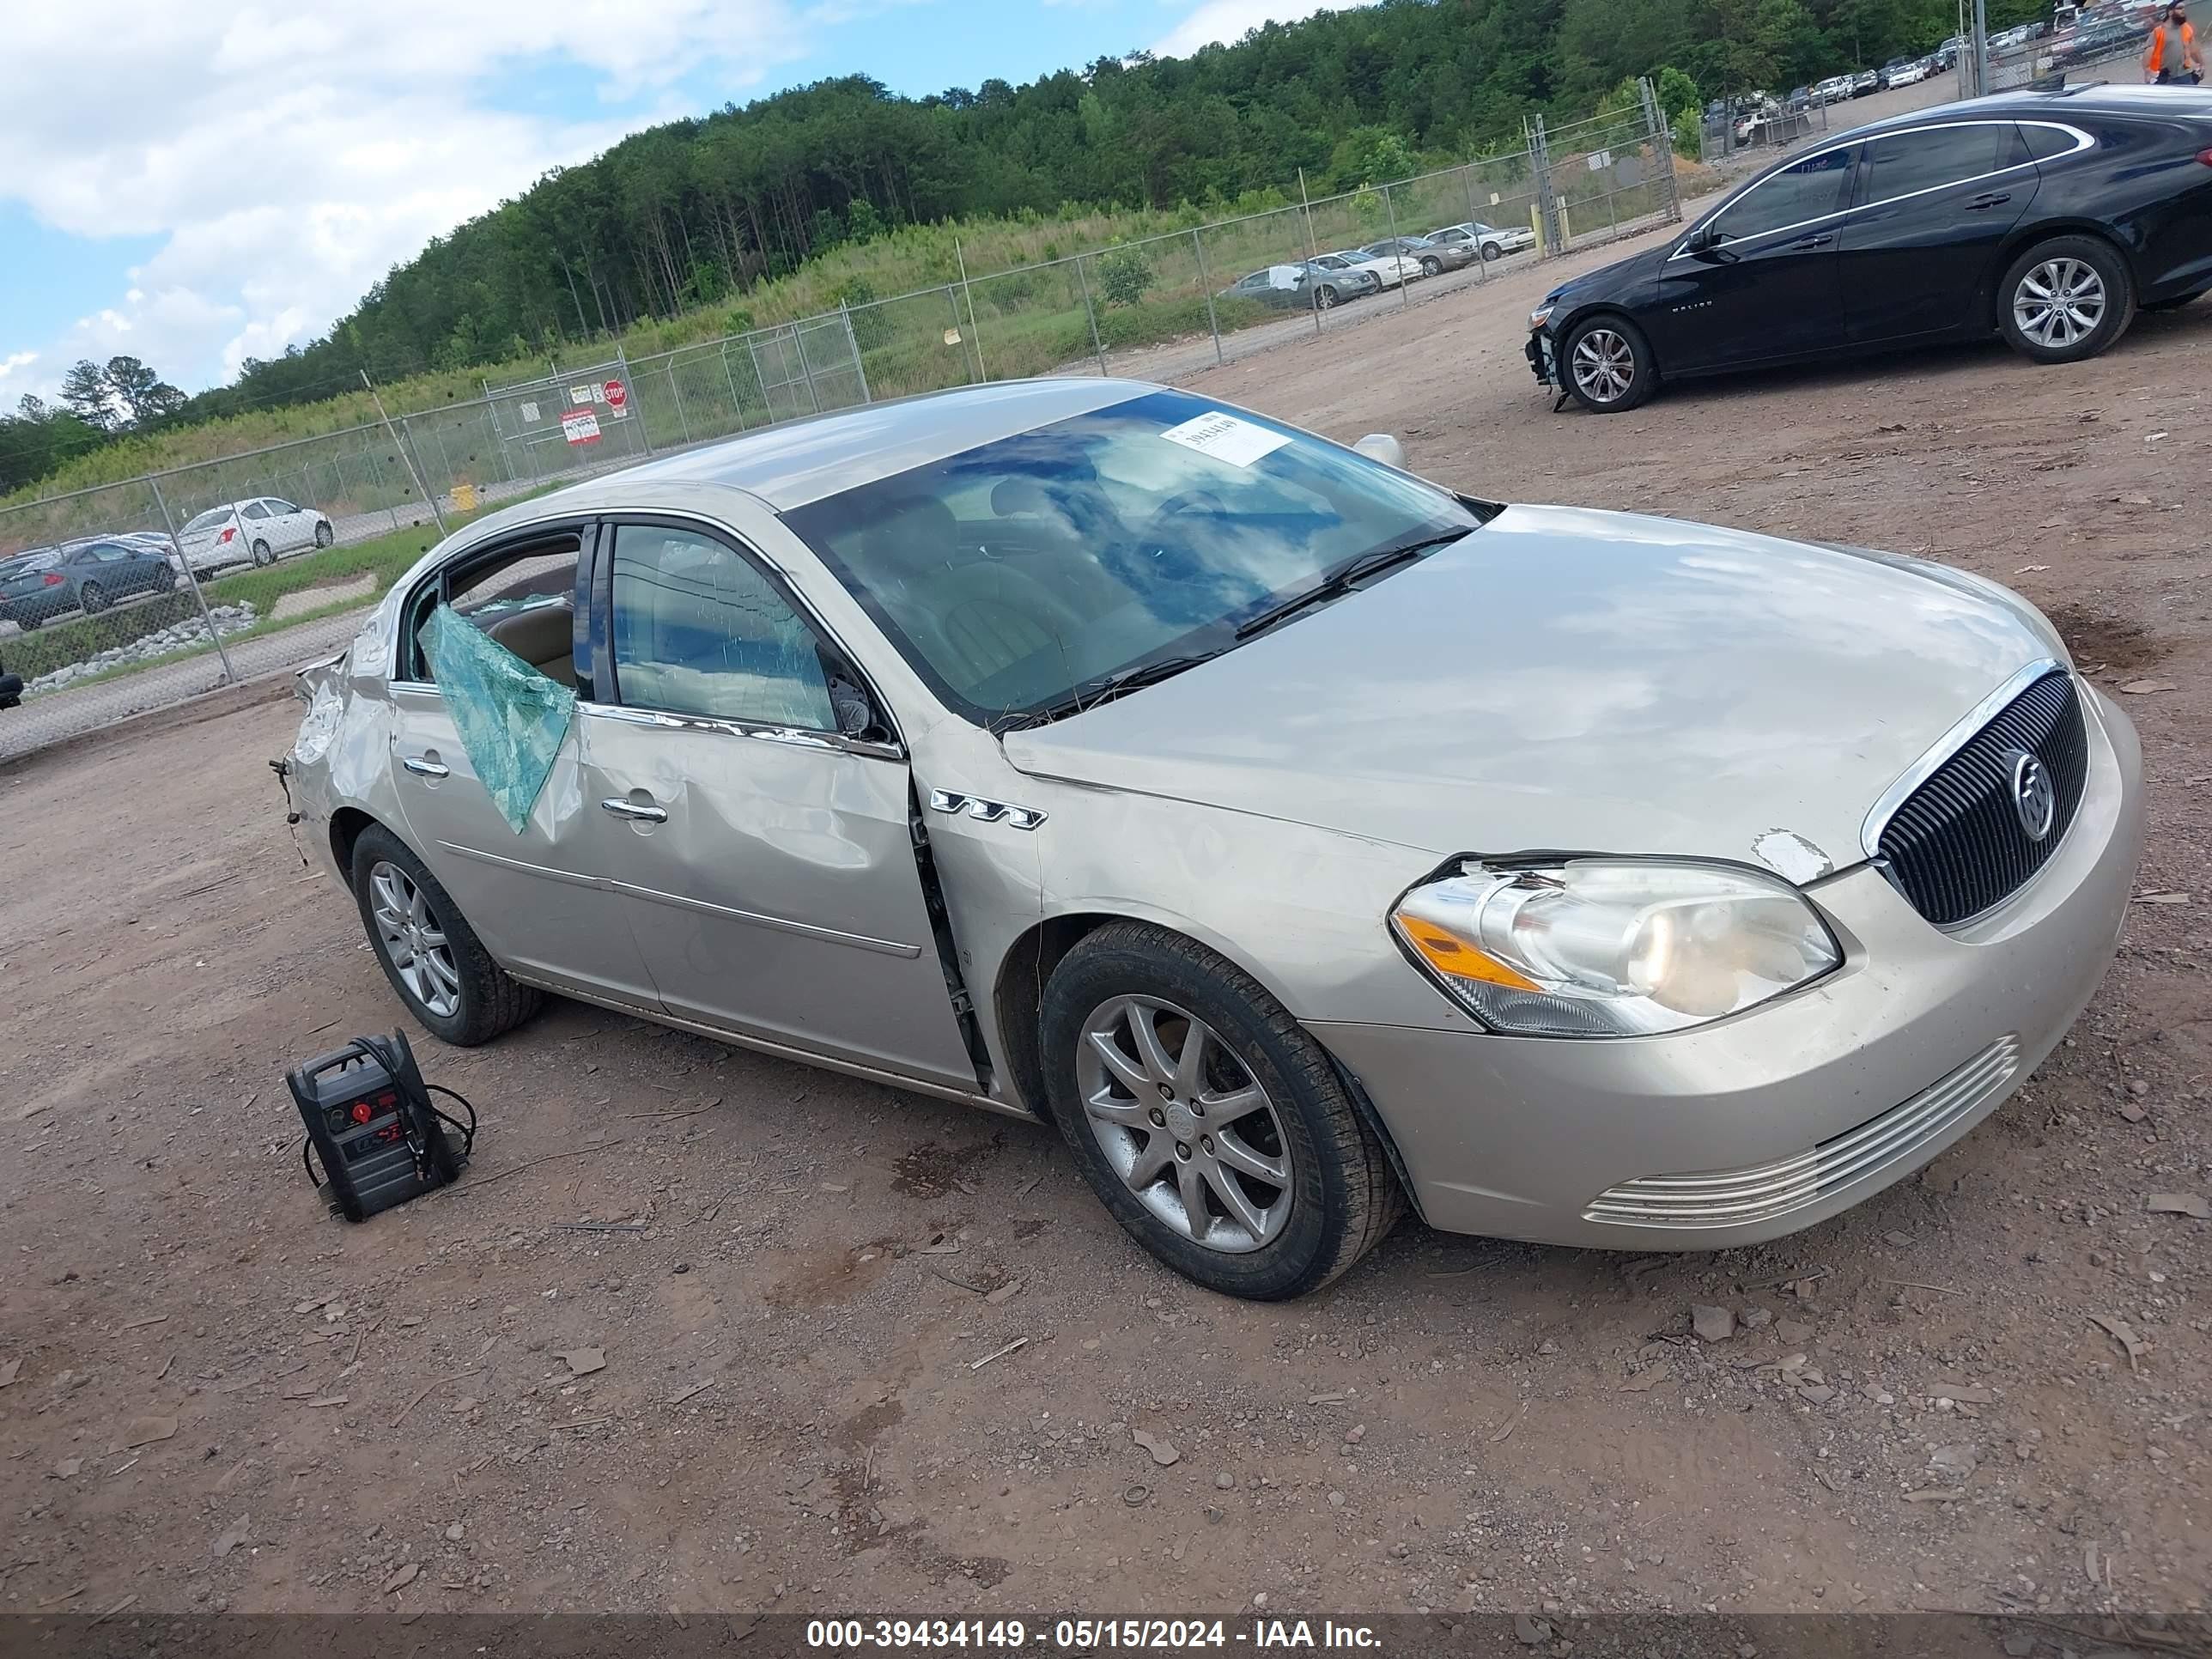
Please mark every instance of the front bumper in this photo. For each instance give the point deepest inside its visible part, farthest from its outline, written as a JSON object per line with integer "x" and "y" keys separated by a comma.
{"x": 1759, "y": 1125}
{"x": 1539, "y": 353}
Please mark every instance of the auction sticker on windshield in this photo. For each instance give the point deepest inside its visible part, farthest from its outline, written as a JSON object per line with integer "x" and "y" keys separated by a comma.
{"x": 1225, "y": 438}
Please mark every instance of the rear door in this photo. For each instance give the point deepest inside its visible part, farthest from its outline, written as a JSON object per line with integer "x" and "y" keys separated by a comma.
{"x": 1767, "y": 288}
{"x": 1918, "y": 253}
{"x": 767, "y": 860}
{"x": 255, "y": 527}
{"x": 539, "y": 899}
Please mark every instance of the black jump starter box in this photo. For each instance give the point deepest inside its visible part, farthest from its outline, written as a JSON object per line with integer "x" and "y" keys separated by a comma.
{"x": 371, "y": 1125}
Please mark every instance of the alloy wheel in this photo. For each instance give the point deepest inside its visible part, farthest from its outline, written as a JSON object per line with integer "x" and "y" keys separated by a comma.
{"x": 2059, "y": 303}
{"x": 1604, "y": 365}
{"x": 414, "y": 939}
{"x": 92, "y": 597}
{"x": 1185, "y": 1123}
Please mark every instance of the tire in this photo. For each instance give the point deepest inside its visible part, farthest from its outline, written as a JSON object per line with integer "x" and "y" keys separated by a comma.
{"x": 92, "y": 598}
{"x": 2174, "y": 304}
{"x": 166, "y": 581}
{"x": 1432, "y": 267}
{"x": 262, "y": 555}
{"x": 30, "y": 624}
{"x": 324, "y": 534}
{"x": 476, "y": 1000}
{"x": 1325, "y": 298}
{"x": 1492, "y": 254}
{"x": 1603, "y": 340}
{"x": 1334, "y": 1196}
{"x": 2090, "y": 270}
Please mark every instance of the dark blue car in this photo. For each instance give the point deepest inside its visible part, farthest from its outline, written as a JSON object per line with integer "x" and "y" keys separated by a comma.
{"x": 89, "y": 576}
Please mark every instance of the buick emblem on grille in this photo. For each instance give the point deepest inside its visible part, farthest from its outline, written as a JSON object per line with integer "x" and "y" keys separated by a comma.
{"x": 2033, "y": 796}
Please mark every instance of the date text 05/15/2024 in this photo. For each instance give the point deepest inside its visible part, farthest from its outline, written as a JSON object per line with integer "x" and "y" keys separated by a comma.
{"x": 1084, "y": 1635}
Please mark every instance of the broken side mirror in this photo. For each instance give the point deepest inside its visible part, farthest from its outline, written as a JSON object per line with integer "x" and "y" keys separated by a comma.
{"x": 1383, "y": 447}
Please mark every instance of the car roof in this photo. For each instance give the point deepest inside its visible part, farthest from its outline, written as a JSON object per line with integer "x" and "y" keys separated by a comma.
{"x": 803, "y": 461}
{"x": 2084, "y": 101}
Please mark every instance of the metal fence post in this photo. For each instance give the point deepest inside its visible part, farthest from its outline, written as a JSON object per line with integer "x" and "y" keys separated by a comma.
{"x": 752, "y": 351}
{"x": 736, "y": 402}
{"x": 644, "y": 438}
{"x": 376, "y": 481}
{"x": 967, "y": 294}
{"x": 806, "y": 369}
{"x": 405, "y": 460}
{"x": 207, "y": 616}
{"x": 675, "y": 395}
{"x": 1097, "y": 346}
{"x": 1662, "y": 145}
{"x": 1313, "y": 252}
{"x": 1547, "y": 206}
{"x": 1474, "y": 217}
{"x": 1390, "y": 216}
{"x": 1205, "y": 281}
{"x": 853, "y": 344}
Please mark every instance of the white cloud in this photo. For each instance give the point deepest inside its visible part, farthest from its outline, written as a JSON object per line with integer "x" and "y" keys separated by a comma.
{"x": 1228, "y": 21}
{"x": 289, "y": 157}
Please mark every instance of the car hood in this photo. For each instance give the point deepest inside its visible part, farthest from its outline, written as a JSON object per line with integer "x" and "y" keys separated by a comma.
{"x": 1618, "y": 281}
{"x": 1566, "y": 679}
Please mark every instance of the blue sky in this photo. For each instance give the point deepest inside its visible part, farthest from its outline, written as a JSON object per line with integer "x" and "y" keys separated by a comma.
{"x": 254, "y": 171}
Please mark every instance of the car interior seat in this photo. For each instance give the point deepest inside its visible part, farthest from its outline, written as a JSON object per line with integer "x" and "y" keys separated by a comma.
{"x": 545, "y": 636}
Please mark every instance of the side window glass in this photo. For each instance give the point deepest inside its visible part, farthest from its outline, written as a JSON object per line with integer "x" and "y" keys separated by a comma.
{"x": 255, "y": 510}
{"x": 698, "y": 630}
{"x": 1811, "y": 189}
{"x": 2043, "y": 142}
{"x": 1943, "y": 155}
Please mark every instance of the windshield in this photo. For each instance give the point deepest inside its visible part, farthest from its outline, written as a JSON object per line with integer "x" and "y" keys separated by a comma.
{"x": 1011, "y": 574}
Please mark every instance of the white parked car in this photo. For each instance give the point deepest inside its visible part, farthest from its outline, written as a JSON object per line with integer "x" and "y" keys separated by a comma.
{"x": 260, "y": 530}
{"x": 1910, "y": 75}
{"x": 1392, "y": 270}
{"x": 1492, "y": 242}
{"x": 1834, "y": 90}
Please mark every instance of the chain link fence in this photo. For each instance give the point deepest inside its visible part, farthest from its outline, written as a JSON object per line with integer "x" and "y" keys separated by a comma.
{"x": 133, "y": 595}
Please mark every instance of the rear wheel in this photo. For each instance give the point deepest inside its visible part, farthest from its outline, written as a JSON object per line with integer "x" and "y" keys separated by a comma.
{"x": 262, "y": 555}
{"x": 1608, "y": 365}
{"x": 92, "y": 598}
{"x": 427, "y": 949}
{"x": 1212, "y": 1126}
{"x": 2065, "y": 299}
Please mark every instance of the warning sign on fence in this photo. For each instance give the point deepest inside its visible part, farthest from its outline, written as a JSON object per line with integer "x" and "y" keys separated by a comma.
{"x": 583, "y": 396}
{"x": 581, "y": 428}
{"x": 529, "y": 412}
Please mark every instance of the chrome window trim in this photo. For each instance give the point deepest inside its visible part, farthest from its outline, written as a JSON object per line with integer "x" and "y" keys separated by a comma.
{"x": 1952, "y": 741}
{"x": 2082, "y": 141}
{"x": 793, "y": 735}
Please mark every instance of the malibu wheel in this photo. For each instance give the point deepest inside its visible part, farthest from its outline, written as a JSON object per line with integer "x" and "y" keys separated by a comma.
{"x": 1213, "y": 1127}
{"x": 2066, "y": 299}
{"x": 1607, "y": 364}
{"x": 427, "y": 951}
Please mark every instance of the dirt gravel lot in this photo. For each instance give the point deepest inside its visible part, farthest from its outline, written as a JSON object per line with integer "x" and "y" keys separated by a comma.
{"x": 216, "y": 1397}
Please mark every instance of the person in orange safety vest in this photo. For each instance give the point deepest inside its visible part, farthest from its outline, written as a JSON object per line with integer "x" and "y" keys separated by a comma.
{"x": 2175, "y": 58}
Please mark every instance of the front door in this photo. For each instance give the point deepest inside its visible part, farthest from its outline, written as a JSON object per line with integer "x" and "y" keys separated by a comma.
{"x": 539, "y": 899}
{"x": 768, "y": 861}
{"x": 1919, "y": 255}
{"x": 1766, "y": 286}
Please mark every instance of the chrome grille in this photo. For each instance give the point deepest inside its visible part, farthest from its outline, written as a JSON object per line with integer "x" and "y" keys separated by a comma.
{"x": 1730, "y": 1198}
{"x": 1955, "y": 846}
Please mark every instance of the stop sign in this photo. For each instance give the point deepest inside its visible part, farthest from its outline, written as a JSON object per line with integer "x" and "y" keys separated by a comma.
{"x": 617, "y": 393}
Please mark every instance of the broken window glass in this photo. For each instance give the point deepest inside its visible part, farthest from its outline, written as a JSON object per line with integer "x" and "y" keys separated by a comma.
{"x": 511, "y": 718}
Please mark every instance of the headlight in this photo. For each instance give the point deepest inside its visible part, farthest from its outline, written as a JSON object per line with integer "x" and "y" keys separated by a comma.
{"x": 1612, "y": 947}
{"x": 1540, "y": 315}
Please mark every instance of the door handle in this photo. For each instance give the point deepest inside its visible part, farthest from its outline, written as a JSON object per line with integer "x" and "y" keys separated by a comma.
{"x": 1822, "y": 241}
{"x": 1995, "y": 199}
{"x": 423, "y": 767}
{"x": 627, "y": 809}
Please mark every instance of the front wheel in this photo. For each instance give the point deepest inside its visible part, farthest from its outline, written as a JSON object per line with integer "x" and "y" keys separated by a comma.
{"x": 262, "y": 555}
{"x": 1432, "y": 267}
{"x": 2066, "y": 299}
{"x": 324, "y": 535}
{"x": 1324, "y": 298}
{"x": 1210, "y": 1124}
{"x": 427, "y": 949}
{"x": 1492, "y": 254}
{"x": 1608, "y": 363}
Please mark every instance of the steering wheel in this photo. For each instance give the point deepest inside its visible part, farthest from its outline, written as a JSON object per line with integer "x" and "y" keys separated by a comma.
{"x": 1176, "y": 505}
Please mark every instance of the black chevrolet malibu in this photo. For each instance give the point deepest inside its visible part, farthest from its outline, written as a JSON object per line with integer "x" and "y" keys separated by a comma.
{"x": 2049, "y": 217}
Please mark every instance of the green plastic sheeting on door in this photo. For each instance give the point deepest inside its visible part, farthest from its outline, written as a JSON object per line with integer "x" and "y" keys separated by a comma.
{"x": 511, "y": 718}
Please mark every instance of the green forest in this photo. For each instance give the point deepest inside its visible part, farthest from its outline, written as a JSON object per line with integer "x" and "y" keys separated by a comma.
{"x": 692, "y": 214}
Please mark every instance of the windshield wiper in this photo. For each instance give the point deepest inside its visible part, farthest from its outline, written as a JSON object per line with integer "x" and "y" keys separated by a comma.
{"x": 1348, "y": 575}
{"x": 1107, "y": 687}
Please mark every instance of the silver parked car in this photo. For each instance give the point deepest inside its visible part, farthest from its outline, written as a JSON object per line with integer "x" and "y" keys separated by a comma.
{"x": 1302, "y": 839}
